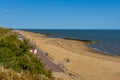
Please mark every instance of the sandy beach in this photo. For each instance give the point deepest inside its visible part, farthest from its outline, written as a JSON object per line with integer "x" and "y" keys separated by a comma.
{"x": 83, "y": 61}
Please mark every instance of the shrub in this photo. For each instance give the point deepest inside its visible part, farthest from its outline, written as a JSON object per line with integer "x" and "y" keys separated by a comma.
{"x": 14, "y": 54}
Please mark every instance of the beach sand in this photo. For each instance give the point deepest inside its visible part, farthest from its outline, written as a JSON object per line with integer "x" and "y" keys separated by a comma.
{"x": 86, "y": 63}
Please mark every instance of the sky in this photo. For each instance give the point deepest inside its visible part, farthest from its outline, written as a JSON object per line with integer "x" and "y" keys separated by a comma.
{"x": 60, "y": 14}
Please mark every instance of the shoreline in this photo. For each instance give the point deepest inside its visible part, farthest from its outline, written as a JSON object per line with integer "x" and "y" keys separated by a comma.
{"x": 88, "y": 63}
{"x": 95, "y": 52}
{"x": 103, "y": 52}
{"x": 87, "y": 42}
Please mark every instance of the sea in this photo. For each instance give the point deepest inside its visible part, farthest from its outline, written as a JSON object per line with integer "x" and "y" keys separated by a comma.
{"x": 107, "y": 41}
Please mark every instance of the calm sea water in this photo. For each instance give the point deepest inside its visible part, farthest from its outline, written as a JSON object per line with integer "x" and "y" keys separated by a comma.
{"x": 108, "y": 41}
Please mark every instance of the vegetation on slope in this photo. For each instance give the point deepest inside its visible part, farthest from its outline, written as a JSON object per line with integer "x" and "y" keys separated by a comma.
{"x": 15, "y": 55}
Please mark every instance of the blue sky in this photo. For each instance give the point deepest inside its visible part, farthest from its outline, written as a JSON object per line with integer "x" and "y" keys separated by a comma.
{"x": 60, "y": 14}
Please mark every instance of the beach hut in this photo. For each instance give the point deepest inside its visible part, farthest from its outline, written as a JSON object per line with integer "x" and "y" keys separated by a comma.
{"x": 33, "y": 50}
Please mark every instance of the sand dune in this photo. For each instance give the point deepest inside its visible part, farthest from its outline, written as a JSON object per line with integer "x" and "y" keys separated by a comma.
{"x": 87, "y": 63}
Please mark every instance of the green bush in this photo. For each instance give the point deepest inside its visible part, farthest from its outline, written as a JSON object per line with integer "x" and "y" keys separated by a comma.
{"x": 14, "y": 54}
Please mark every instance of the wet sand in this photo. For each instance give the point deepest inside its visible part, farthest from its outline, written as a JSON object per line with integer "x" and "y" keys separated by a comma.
{"x": 83, "y": 61}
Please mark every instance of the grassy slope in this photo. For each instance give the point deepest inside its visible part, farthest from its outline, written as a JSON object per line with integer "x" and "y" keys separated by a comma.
{"x": 15, "y": 55}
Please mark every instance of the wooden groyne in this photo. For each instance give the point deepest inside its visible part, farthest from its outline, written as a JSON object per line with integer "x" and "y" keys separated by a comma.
{"x": 83, "y": 40}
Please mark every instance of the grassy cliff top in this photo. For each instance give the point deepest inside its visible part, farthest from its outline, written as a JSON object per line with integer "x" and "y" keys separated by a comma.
{"x": 15, "y": 55}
